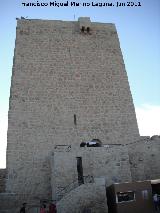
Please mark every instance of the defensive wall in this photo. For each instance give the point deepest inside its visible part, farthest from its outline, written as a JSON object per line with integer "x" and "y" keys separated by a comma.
{"x": 144, "y": 157}
{"x": 102, "y": 166}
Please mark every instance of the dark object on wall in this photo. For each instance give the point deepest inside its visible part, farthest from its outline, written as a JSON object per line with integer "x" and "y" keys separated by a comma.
{"x": 80, "y": 170}
{"x": 155, "y": 186}
{"x": 92, "y": 143}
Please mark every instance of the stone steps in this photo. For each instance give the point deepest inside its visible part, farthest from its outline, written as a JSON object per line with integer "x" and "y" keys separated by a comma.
{"x": 89, "y": 196}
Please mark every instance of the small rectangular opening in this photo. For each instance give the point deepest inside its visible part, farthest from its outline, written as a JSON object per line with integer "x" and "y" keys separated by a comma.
{"x": 125, "y": 196}
{"x": 80, "y": 171}
{"x": 75, "y": 119}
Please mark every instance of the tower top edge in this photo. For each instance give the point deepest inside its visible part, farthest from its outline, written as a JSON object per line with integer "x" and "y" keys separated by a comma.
{"x": 85, "y": 19}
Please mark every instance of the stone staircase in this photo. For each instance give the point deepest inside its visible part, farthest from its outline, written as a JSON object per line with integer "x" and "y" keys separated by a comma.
{"x": 89, "y": 197}
{"x": 65, "y": 190}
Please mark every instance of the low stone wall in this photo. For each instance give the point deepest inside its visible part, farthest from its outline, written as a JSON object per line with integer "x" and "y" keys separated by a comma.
{"x": 144, "y": 157}
{"x": 117, "y": 163}
{"x": 11, "y": 203}
{"x": 3, "y": 173}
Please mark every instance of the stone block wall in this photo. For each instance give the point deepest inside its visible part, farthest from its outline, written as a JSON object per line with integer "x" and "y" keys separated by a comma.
{"x": 144, "y": 157}
{"x": 91, "y": 197}
{"x": 112, "y": 164}
{"x": 3, "y": 175}
{"x": 11, "y": 203}
{"x": 67, "y": 86}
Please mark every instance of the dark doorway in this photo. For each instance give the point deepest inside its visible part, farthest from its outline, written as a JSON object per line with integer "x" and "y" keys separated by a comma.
{"x": 80, "y": 170}
{"x": 155, "y": 186}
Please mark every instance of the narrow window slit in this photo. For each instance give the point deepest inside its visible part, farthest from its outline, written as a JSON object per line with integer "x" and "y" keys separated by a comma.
{"x": 75, "y": 119}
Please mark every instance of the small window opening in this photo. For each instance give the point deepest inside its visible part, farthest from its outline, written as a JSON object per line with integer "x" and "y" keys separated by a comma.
{"x": 88, "y": 30}
{"x": 75, "y": 119}
{"x": 80, "y": 171}
{"x": 125, "y": 196}
{"x": 82, "y": 29}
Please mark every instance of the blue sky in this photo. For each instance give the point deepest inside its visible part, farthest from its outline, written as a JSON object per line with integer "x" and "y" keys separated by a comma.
{"x": 139, "y": 32}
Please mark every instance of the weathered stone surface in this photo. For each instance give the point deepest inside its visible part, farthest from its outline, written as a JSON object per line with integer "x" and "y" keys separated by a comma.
{"x": 137, "y": 161}
{"x": 97, "y": 162}
{"x": 11, "y": 203}
{"x": 85, "y": 197}
{"x": 60, "y": 73}
{"x": 145, "y": 159}
{"x": 3, "y": 174}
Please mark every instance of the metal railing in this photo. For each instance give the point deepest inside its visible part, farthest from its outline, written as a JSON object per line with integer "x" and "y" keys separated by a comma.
{"x": 67, "y": 189}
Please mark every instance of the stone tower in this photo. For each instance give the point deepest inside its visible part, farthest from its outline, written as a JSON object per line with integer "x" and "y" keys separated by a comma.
{"x": 69, "y": 85}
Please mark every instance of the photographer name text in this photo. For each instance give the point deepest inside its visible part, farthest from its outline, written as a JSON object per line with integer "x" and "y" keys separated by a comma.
{"x": 82, "y": 4}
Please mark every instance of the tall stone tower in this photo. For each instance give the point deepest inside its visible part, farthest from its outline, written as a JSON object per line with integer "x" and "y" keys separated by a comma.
{"x": 69, "y": 85}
